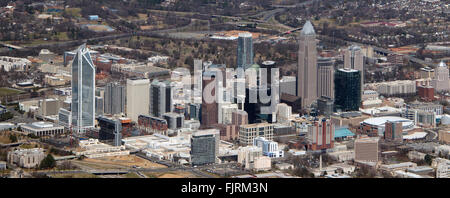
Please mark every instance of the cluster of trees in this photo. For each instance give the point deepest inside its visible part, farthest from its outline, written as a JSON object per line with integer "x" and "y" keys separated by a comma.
{"x": 48, "y": 162}
{"x": 183, "y": 52}
{"x": 12, "y": 138}
{"x": 6, "y": 116}
{"x": 60, "y": 152}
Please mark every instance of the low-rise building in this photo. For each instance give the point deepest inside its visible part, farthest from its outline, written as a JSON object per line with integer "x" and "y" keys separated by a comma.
{"x": 249, "y": 132}
{"x": 261, "y": 163}
{"x": 92, "y": 148}
{"x": 442, "y": 167}
{"x": 269, "y": 148}
{"x": 2, "y": 165}
{"x": 43, "y": 129}
{"x": 284, "y": 166}
{"x": 26, "y": 158}
{"x": 444, "y": 136}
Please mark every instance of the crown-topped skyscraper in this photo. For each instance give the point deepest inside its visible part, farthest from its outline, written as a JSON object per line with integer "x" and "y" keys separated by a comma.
{"x": 83, "y": 90}
{"x": 307, "y": 65}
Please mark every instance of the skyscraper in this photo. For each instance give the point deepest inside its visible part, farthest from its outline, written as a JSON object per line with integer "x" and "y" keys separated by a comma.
{"x": 326, "y": 77}
{"x": 441, "y": 80}
{"x": 209, "y": 109}
{"x": 347, "y": 89}
{"x": 137, "y": 98}
{"x": 83, "y": 90}
{"x": 307, "y": 65}
{"x": 114, "y": 98}
{"x": 244, "y": 51}
{"x": 354, "y": 59}
{"x": 160, "y": 98}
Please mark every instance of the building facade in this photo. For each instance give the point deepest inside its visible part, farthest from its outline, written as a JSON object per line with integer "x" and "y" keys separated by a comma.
{"x": 321, "y": 134}
{"x": 137, "y": 98}
{"x": 247, "y": 133}
{"x": 367, "y": 149}
{"x": 244, "y": 51}
{"x": 347, "y": 85}
{"x": 204, "y": 147}
{"x": 307, "y": 65}
{"x": 441, "y": 80}
{"x": 354, "y": 59}
{"x": 393, "y": 131}
{"x": 83, "y": 90}
{"x": 115, "y": 95}
{"x": 325, "y": 81}
{"x": 161, "y": 98}
{"x": 43, "y": 129}
{"x": 26, "y": 158}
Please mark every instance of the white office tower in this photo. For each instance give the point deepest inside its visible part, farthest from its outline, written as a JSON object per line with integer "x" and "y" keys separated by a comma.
{"x": 83, "y": 91}
{"x": 441, "y": 80}
{"x": 138, "y": 94}
{"x": 354, "y": 59}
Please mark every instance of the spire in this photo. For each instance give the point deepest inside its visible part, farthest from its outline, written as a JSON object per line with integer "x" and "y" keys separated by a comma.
{"x": 308, "y": 29}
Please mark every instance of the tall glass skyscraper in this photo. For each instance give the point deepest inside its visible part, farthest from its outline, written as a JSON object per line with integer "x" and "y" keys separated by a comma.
{"x": 83, "y": 90}
{"x": 244, "y": 51}
{"x": 347, "y": 89}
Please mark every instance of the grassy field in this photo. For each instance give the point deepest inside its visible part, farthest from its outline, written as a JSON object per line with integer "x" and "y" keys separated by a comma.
{"x": 8, "y": 91}
{"x": 75, "y": 175}
{"x": 176, "y": 174}
{"x": 131, "y": 175}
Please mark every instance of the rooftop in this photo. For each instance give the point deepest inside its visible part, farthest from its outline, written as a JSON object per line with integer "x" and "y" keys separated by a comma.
{"x": 343, "y": 132}
{"x": 308, "y": 29}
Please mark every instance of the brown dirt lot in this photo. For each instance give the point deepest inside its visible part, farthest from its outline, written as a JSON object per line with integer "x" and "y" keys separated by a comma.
{"x": 176, "y": 174}
{"x": 126, "y": 160}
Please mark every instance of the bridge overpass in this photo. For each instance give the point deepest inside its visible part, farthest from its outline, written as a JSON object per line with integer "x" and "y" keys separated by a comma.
{"x": 11, "y": 46}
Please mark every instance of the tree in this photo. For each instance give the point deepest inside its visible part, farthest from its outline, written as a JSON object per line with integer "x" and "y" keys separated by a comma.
{"x": 428, "y": 159}
{"x": 47, "y": 162}
{"x": 13, "y": 138}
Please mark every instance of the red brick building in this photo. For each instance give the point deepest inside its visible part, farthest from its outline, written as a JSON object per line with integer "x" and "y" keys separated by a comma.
{"x": 426, "y": 92}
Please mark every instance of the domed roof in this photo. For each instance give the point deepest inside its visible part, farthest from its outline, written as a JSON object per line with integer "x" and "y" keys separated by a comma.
{"x": 255, "y": 66}
{"x": 442, "y": 64}
{"x": 308, "y": 29}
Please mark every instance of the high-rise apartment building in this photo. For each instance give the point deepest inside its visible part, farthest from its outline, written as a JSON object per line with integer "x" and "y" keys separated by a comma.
{"x": 245, "y": 51}
{"x": 321, "y": 134}
{"x": 307, "y": 65}
{"x": 115, "y": 95}
{"x": 83, "y": 90}
{"x": 347, "y": 86}
{"x": 137, "y": 97}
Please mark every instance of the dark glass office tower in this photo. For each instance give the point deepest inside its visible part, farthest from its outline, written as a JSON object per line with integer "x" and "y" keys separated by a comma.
{"x": 244, "y": 51}
{"x": 347, "y": 89}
